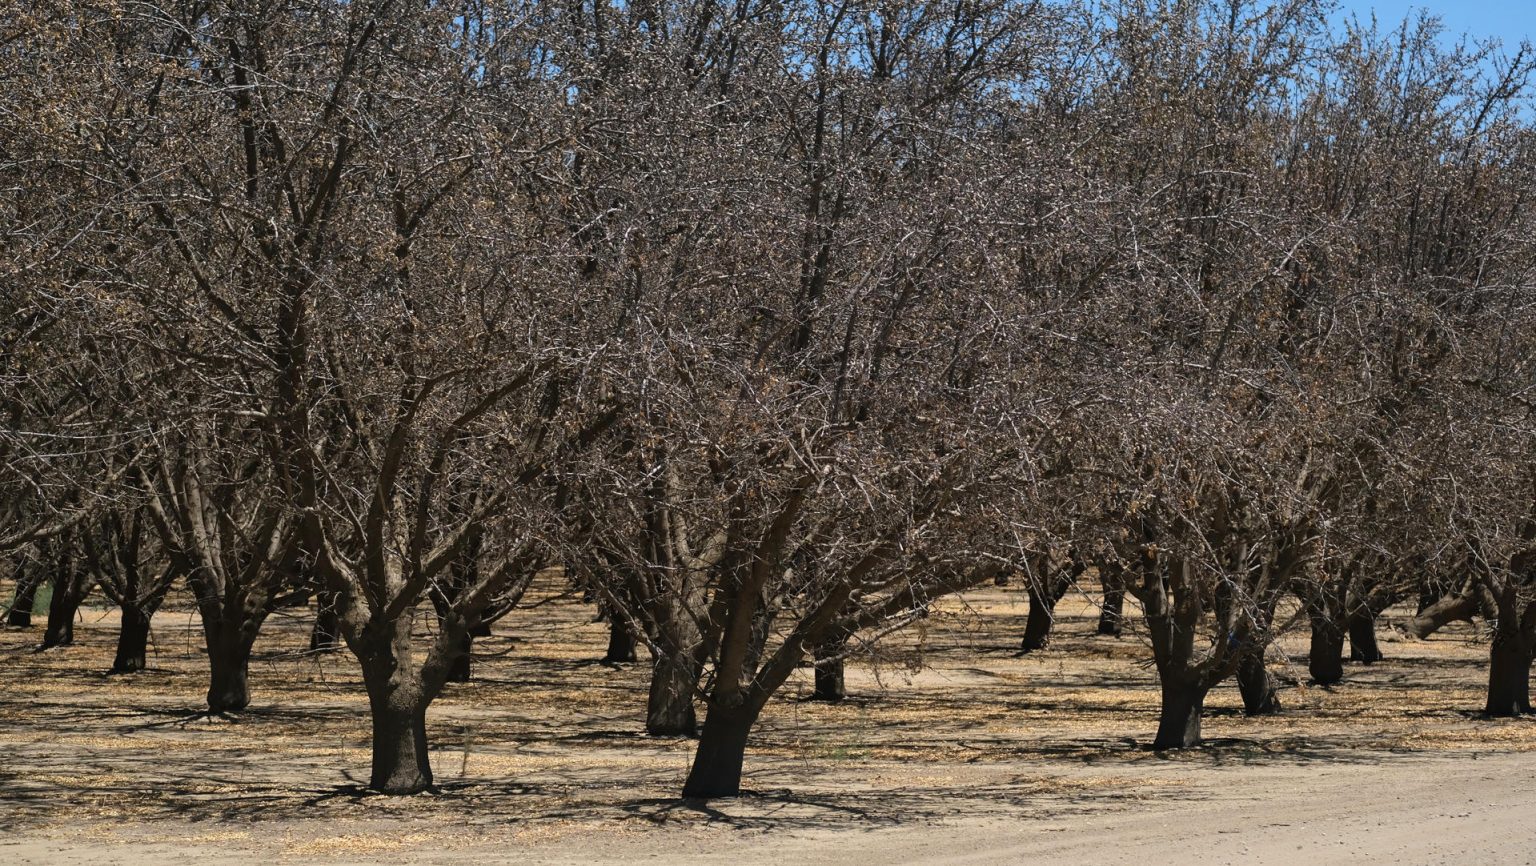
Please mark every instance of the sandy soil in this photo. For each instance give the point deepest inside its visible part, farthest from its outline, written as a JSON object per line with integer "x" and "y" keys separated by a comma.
{"x": 953, "y": 750}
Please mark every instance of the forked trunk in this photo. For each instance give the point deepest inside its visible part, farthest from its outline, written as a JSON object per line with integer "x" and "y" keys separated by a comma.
{"x": 1362, "y": 637}
{"x": 132, "y": 640}
{"x": 669, "y": 708}
{"x": 1178, "y": 726}
{"x": 621, "y": 640}
{"x": 1110, "y": 613}
{"x": 399, "y": 692}
{"x": 716, "y": 770}
{"x": 1509, "y": 677}
{"x": 1325, "y": 662}
{"x": 1257, "y": 685}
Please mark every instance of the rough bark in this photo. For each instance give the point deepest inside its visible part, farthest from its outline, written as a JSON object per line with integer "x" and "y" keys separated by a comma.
{"x": 1043, "y": 595}
{"x": 830, "y": 686}
{"x": 1110, "y": 622}
{"x": 1362, "y": 637}
{"x": 1178, "y": 725}
{"x": 1441, "y": 613}
{"x": 399, "y": 692}
{"x": 1172, "y": 612}
{"x": 1509, "y": 678}
{"x": 1325, "y": 662}
{"x": 1261, "y": 693}
{"x": 669, "y": 707}
{"x": 1513, "y": 645}
{"x": 621, "y": 640}
{"x": 716, "y": 770}
{"x": 20, "y": 614}
{"x": 326, "y": 634}
{"x": 132, "y": 640}
{"x": 229, "y": 663}
{"x": 62, "y": 609}
{"x": 459, "y": 668}
{"x": 401, "y": 762}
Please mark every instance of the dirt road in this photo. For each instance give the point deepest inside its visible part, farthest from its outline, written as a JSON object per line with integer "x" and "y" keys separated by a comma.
{"x": 1411, "y": 809}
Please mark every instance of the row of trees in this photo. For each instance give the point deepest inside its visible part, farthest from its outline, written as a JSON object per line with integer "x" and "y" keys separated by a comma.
{"x": 770, "y": 323}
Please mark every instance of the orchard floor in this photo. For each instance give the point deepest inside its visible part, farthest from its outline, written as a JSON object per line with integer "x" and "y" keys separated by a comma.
{"x": 953, "y": 749}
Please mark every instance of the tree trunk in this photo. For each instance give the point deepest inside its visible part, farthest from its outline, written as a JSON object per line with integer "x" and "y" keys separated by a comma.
{"x": 1178, "y": 726}
{"x": 20, "y": 614}
{"x": 459, "y": 668}
{"x": 1509, "y": 677}
{"x": 669, "y": 708}
{"x": 132, "y": 640}
{"x": 62, "y": 609}
{"x": 1109, "y": 615}
{"x": 716, "y": 770}
{"x": 1325, "y": 662}
{"x": 829, "y": 671}
{"x": 1257, "y": 685}
{"x": 326, "y": 634}
{"x": 399, "y": 692}
{"x": 1441, "y": 613}
{"x": 401, "y": 762}
{"x": 1362, "y": 637}
{"x": 1042, "y": 615}
{"x": 229, "y": 664}
{"x": 621, "y": 640}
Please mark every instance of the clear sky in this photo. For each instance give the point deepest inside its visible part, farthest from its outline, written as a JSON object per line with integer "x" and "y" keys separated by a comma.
{"x": 1507, "y": 20}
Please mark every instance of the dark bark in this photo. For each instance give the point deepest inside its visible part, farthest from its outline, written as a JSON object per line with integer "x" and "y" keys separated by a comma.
{"x": 1451, "y": 608}
{"x": 401, "y": 762}
{"x": 717, "y": 762}
{"x": 1325, "y": 663}
{"x": 1261, "y": 693}
{"x": 20, "y": 614}
{"x": 459, "y": 667}
{"x": 399, "y": 692}
{"x": 229, "y": 664}
{"x": 1043, "y": 596}
{"x": 326, "y": 634}
{"x": 132, "y": 640}
{"x": 1428, "y": 595}
{"x": 621, "y": 640}
{"x": 1172, "y": 612}
{"x": 1178, "y": 726}
{"x": 1110, "y": 614}
{"x": 1514, "y": 640}
{"x": 1362, "y": 636}
{"x": 830, "y": 686}
{"x": 62, "y": 609}
{"x": 669, "y": 708}
{"x": 1509, "y": 678}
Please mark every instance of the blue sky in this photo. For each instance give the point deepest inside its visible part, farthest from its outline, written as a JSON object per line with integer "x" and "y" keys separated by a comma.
{"x": 1507, "y": 20}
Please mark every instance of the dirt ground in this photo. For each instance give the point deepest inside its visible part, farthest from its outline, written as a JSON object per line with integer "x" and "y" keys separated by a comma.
{"x": 953, "y": 749}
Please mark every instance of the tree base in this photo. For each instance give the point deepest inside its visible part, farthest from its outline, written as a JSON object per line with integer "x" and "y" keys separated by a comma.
{"x": 1178, "y": 726}
{"x": 717, "y": 763}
